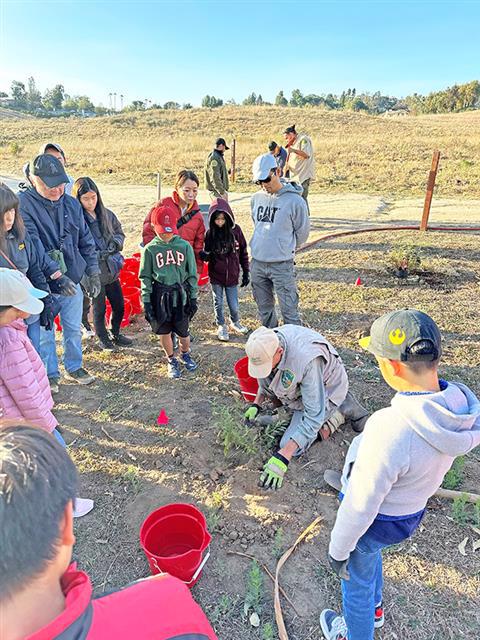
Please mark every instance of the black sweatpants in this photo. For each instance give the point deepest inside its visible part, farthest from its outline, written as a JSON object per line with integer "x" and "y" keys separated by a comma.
{"x": 114, "y": 294}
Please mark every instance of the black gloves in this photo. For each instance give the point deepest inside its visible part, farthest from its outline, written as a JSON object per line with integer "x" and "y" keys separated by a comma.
{"x": 92, "y": 285}
{"x": 340, "y": 567}
{"x": 51, "y": 307}
{"x": 245, "y": 279}
{"x": 113, "y": 247}
{"x": 192, "y": 307}
{"x": 63, "y": 286}
{"x": 204, "y": 255}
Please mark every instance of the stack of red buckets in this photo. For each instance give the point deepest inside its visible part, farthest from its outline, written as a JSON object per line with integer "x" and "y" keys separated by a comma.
{"x": 131, "y": 290}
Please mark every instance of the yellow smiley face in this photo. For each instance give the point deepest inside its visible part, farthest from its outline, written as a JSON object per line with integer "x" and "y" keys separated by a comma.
{"x": 397, "y": 336}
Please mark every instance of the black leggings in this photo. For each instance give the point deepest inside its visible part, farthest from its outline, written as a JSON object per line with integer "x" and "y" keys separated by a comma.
{"x": 115, "y": 296}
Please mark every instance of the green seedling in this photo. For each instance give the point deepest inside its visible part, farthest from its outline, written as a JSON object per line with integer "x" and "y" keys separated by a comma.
{"x": 254, "y": 591}
{"x": 454, "y": 477}
{"x": 459, "y": 509}
{"x": 277, "y": 548}
{"x": 267, "y": 631}
{"x": 232, "y": 433}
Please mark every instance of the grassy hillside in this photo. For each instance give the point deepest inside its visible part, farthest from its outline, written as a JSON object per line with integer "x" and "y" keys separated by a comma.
{"x": 354, "y": 152}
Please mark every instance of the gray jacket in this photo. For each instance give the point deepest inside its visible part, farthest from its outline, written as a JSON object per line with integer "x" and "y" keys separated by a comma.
{"x": 281, "y": 223}
{"x": 309, "y": 377}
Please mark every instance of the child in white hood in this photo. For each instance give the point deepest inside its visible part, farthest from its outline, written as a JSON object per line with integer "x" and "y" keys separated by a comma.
{"x": 394, "y": 467}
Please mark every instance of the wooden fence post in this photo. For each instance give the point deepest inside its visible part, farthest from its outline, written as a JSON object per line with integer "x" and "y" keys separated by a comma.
{"x": 159, "y": 187}
{"x": 430, "y": 185}
{"x": 234, "y": 150}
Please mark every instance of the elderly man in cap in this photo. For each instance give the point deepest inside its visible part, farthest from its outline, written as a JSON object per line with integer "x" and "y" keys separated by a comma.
{"x": 299, "y": 369}
{"x": 300, "y": 161}
{"x": 55, "y": 150}
{"x": 67, "y": 251}
{"x": 216, "y": 174}
{"x": 281, "y": 224}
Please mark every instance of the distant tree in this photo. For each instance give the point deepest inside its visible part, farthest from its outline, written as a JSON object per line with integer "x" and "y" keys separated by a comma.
{"x": 280, "y": 100}
{"x": 3, "y": 94}
{"x": 260, "y": 99}
{"x": 171, "y": 105}
{"x": 332, "y": 102}
{"x": 136, "y": 105}
{"x": 19, "y": 95}
{"x": 186, "y": 105}
{"x": 313, "y": 99}
{"x": 297, "y": 99}
{"x": 101, "y": 111}
{"x": 250, "y": 100}
{"x": 34, "y": 97}
{"x": 53, "y": 98}
{"x": 232, "y": 101}
{"x": 211, "y": 102}
{"x": 156, "y": 106}
{"x": 356, "y": 104}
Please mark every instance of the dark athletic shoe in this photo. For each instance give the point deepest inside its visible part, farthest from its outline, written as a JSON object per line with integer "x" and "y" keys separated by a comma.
{"x": 188, "y": 362}
{"x": 333, "y": 625}
{"x": 106, "y": 344}
{"x": 121, "y": 340}
{"x": 81, "y": 376}
{"x": 173, "y": 367}
{"x": 53, "y": 382}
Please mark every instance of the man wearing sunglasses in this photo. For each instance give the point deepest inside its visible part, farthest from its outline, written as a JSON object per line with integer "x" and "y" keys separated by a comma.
{"x": 280, "y": 218}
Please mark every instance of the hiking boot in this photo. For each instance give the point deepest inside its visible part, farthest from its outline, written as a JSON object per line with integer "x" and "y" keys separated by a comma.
{"x": 333, "y": 625}
{"x": 188, "y": 362}
{"x": 53, "y": 382}
{"x": 239, "y": 328}
{"x": 331, "y": 425}
{"x": 81, "y": 376}
{"x": 379, "y": 617}
{"x": 121, "y": 340}
{"x": 222, "y": 333}
{"x": 105, "y": 343}
{"x": 173, "y": 368}
{"x": 354, "y": 412}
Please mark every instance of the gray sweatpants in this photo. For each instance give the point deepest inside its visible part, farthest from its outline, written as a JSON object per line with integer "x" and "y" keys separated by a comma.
{"x": 269, "y": 278}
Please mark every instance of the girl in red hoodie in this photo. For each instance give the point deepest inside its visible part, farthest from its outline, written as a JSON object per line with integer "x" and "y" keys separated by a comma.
{"x": 190, "y": 225}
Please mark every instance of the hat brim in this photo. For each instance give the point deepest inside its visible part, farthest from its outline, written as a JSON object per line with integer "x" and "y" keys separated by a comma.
{"x": 31, "y": 305}
{"x": 366, "y": 343}
{"x": 161, "y": 229}
{"x": 54, "y": 181}
{"x": 259, "y": 371}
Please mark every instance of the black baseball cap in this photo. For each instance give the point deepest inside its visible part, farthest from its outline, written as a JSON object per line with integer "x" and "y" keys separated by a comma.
{"x": 49, "y": 169}
{"x": 221, "y": 141}
{"x": 290, "y": 129}
{"x": 272, "y": 146}
{"x": 394, "y": 335}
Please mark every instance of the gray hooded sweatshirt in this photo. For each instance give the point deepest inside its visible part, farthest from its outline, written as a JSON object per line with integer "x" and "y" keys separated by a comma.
{"x": 401, "y": 458}
{"x": 281, "y": 223}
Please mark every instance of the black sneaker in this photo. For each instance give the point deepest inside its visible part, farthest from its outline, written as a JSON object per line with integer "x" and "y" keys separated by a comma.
{"x": 121, "y": 340}
{"x": 81, "y": 376}
{"x": 53, "y": 382}
{"x": 106, "y": 344}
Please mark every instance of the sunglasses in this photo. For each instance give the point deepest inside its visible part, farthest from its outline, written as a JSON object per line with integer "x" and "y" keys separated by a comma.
{"x": 267, "y": 180}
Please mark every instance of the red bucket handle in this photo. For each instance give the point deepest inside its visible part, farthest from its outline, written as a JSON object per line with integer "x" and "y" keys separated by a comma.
{"x": 197, "y": 572}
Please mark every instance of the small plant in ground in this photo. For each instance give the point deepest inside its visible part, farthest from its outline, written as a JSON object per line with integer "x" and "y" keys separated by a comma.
{"x": 267, "y": 631}
{"x": 272, "y": 432}
{"x": 476, "y": 513}
{"x": 454, "y": 477}
{"x": 224, "y": 606}
{"x": 131, "y": 476}
{"x": 277, "y": 548}
{"x": 254, "y": 591}
{"x": 15, "y": 148}
{"x": 459, "y": 509}
{"x": 233, "y": 433}
{"x": 405, "y": 259}
{"x": 213, "y": 518}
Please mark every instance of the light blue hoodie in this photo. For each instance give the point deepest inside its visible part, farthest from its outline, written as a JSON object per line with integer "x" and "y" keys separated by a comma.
{"x": 402, "y": 457}
{"x": 281, "y": 223}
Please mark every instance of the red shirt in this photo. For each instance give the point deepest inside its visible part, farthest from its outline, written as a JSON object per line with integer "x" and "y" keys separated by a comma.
{"x": 156, "y": 608}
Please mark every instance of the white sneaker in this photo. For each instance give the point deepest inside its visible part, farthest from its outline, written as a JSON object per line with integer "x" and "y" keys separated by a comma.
{"x": 239, "y": 328}
{"x": 222, "y": 333}
{"x": 82, "y": 507}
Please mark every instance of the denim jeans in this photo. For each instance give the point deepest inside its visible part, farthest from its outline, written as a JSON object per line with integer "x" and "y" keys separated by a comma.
{"x": 364, "y": 589}
{"x": 70, "y": 319}
{"x": 33, "y": 332}
{"x": 231, "y": 294}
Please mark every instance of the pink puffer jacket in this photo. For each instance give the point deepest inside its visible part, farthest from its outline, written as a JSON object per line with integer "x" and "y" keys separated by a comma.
{"x": 24, "y": 389}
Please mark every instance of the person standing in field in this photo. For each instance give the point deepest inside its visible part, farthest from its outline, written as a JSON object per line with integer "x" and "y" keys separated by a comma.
{"x": 108, "y": 235}
{"x": 280, "y": 155}
{"x": 216, "y": 174}
{"x": 281, "y": 224}
{"x": 300, "y": 160}
{"x": 189, "y": 220}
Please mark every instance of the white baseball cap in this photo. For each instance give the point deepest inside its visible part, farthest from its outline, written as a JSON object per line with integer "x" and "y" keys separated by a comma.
{"x": 260, "y": 349}
{"x": 262, "y": 165}
{"x": 17, "y": 291}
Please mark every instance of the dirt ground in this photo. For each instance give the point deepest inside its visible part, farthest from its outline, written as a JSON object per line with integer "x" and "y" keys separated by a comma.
{"x": 130, "y": 465}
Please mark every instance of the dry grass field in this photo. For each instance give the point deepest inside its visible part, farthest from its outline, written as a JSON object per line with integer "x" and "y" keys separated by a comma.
{"x": 354, "y": 152}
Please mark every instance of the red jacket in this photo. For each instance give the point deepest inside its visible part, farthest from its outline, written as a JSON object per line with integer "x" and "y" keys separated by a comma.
{"x": 193, "y": 231}
{"x": 157, "y": 608}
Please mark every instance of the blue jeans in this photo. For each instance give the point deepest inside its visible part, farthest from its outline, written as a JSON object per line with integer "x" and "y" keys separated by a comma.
{"x": 232, "y": 301}
{"x": 71, "y": 320}
{"x": 364, "y": 589}
{"x": 33, "y": 332}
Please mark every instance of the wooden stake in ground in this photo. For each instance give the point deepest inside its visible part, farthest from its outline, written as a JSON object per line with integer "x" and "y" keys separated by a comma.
{"x": 234, "y": 154}
{"x": 429, "y": 195}
{"x": 159, "y": 187}
{"x": 282, "y": 631}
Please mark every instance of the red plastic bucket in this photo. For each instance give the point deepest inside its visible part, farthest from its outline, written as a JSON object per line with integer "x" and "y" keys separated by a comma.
{"x": 248, "y": 385}
{"x": 132, "y": 264}
{"x": 57, "y": 323}
{"x": 132, "y": 295}
{"x": 203, "y": 278}
{"x": 175, "y": 540}
{"x": 128, "y": 278}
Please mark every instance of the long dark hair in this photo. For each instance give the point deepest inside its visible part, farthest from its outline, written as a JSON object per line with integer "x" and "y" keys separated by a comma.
{"x": 81, "y": 186}
{"x": 222, "y": 238}
{"x": 8, "y": 200}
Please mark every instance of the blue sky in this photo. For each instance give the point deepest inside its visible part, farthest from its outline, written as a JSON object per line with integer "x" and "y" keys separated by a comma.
{"x": 184, "y": 50}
